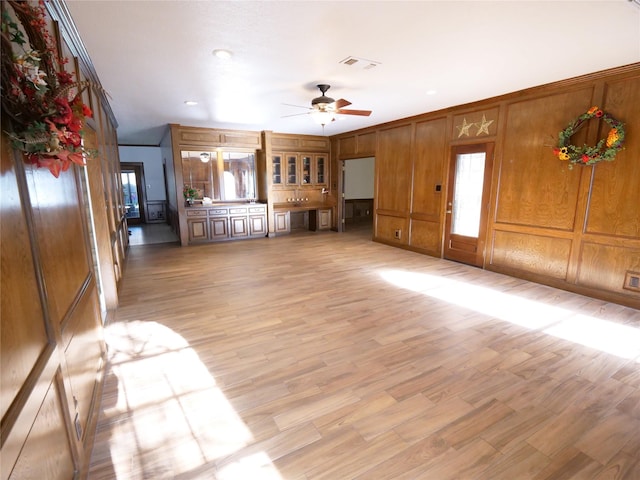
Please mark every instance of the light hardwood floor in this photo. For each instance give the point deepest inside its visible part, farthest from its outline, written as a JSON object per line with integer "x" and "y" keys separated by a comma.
{"x": 327, "y": 356}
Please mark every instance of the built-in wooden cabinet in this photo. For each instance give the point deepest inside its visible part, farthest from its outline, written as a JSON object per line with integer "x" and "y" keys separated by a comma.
{"x": 300, "y": 188}
{"x": 283, "y": 173}
{"x": 300, "y": 169}
{"x": 226, "y": 222}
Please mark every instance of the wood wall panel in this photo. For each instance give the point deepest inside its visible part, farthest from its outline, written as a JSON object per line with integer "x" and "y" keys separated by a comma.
{"x": 386, "y": 226}
{"x": 101, "y": 221}
{"x": 393, "y": 165}
{"x": 348, "y": 147}
{"x": 614, "y": 207}
{"x": 604, "y": 266}
{"x": 84, "y": 352}
{"x": 536, "y": 189}
{"x": 23, "y": 334}
{"x": 51, "y": 323}
{"x": 429, "y": 167}
{"x": 366, "y": 144}
{"x": 64, "y": 254}
{"x": 426, "y": 236}
{"x": 357, "y": 146}
{"x": 541, "y": 212}
{"x": 46, "y": 453}
{"x": 533, "y": 253}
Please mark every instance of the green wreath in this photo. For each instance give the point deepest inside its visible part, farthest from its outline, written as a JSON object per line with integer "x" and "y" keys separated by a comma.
{"x": 606, "y": 149}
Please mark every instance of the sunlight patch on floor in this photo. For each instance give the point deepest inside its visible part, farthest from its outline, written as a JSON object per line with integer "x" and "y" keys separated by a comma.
{"x": 606, "y": 336}
{"x": 169, "y": 403}
{"x": 257, "y": 466}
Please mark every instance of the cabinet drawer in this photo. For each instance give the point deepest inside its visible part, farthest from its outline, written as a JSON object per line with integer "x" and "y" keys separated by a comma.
{"x": 218, "y": 211}
{"x": 256, "y": 209}
{"x": 196, "y": 213}
{"x": 238, "y": 210}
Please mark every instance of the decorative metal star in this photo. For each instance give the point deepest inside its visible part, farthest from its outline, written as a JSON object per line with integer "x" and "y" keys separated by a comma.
{"x": 464, "y": 128}
{"x": 483, "y": 127}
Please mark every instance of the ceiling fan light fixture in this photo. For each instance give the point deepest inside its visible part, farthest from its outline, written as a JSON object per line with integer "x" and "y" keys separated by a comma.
{"x": 323, "y": 102}
{"x": 323, "y": 117}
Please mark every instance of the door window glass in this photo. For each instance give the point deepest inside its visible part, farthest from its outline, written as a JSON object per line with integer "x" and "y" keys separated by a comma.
{"x": 467, "y": 196}
{"x": 130, "y": 190}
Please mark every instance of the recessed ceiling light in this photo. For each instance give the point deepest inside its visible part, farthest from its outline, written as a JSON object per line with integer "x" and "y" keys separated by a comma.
{"x": 190, "y": 103}
{"x": 223, "y": 54}
{"x": 431, "y": 92}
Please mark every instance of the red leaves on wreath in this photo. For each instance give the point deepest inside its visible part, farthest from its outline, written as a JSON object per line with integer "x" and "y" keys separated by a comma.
{"x": 65, "y": 114}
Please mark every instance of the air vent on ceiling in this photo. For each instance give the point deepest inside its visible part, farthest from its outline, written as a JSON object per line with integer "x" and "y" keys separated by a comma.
{"x": 360, "y": 63}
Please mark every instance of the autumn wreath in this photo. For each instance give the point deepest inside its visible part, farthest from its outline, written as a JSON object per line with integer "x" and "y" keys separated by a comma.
{"x": 42, "y": 99}
{"x": 606, "y": 149}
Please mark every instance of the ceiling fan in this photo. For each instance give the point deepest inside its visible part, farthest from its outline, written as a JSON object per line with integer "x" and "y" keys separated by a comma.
{"x": 324, "y": 109}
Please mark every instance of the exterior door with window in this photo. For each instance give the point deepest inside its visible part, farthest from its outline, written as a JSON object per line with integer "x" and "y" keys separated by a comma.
{"x": 133, "y": 190}
{"x": 468, "y": 203}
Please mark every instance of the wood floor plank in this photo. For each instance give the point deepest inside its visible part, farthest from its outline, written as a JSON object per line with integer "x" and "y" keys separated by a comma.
{"x": 327, "y": 356}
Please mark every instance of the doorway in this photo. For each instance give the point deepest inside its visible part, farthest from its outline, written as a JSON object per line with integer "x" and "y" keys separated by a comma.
{"x": 468, "y": 203}
{"x": 357, "y": 195}
{"x": 134, "y": 193}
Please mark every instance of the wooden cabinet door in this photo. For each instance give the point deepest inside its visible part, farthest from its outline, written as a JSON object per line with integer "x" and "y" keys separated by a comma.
{"x": 320, "y": 173}
{"x": 324, "y": 219}
{"x": 257, "y": 225}
{"x": 291, "y": 167}
{"x": 238, "y": 226}
{"x": 218, "y": 228}
{"x": 282, "y": 222}
{"x": 197, "y": 230}
{"x": 276, "y": 169}
{"x": 305, "y": 170}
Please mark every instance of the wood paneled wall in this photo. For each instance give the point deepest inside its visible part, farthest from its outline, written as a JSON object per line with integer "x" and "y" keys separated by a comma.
{"x": 577, "y": 229}
{"x": 59, "y": 258}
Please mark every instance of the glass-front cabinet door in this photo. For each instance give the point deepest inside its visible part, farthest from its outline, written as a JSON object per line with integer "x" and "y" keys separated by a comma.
{"x": 276, "y": 164}
{"x": 306, "y": 169}
{"x": 292, "y": 169}
{"x": 320, "y": 170}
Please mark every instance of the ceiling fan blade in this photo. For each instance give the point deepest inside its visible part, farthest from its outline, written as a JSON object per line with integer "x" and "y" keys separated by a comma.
{"x": 342, "y": 103}
{"x": 297, "y": 106}
{"x": 364, "y": 113}
{"x": 295, "y": 114}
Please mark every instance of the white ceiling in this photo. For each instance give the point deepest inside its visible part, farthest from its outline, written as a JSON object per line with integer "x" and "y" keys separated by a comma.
{"x": 152, "y": 56}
